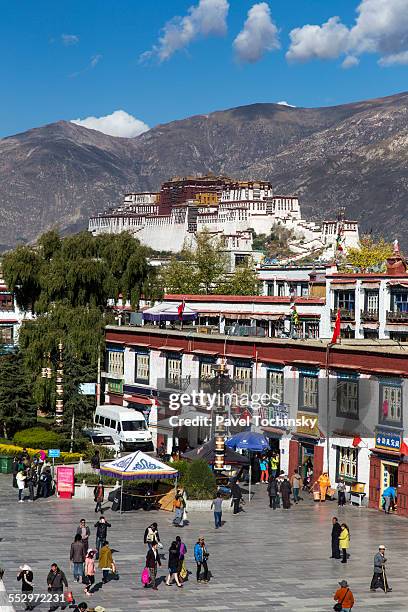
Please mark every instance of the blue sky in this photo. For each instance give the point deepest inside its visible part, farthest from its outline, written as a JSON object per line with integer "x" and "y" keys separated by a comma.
{"x": 69, "y": 60}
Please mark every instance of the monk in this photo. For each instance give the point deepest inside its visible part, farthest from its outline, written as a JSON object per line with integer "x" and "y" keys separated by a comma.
{"x": 324, "y": 484}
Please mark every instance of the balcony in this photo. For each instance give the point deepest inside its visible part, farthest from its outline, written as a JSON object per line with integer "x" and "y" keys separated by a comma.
{"x": 369, "y": 315}
{"x": 345, "y": 314}
{"x": 397, "y": 316}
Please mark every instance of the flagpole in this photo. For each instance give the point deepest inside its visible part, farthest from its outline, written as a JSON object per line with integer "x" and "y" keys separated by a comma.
{"x": 328, "y": 408}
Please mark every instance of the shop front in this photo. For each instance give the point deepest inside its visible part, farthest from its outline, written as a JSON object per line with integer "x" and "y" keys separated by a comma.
{"x": 305, "y": 453}
{"x": 388, "y": 468}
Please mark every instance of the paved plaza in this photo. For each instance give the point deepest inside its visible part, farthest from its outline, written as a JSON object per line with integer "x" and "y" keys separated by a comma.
{"x": 260, "y": 560}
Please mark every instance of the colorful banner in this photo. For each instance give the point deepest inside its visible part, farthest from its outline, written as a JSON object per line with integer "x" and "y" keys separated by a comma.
{"x": 65, "y": 481}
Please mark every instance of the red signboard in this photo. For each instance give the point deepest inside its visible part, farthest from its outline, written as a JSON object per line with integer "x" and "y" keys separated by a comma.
{"x": 65, "y": 481}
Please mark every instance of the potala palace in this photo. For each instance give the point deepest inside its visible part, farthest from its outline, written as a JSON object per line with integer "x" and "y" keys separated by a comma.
{"x": 232, "y": 210}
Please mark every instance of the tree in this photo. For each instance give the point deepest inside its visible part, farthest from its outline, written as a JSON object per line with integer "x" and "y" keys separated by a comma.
{"x": 369, "y": 255}
{"x": 244, "y": 281}
{"x": 17, "y": 410}
{"x": 198, "y": 270}
{"x": 21, "y": 271}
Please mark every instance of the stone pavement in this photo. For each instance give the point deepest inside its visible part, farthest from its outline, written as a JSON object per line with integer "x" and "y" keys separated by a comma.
{"x": 260, "y": 560}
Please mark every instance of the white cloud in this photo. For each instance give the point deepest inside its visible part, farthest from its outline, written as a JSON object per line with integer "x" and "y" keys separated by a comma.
{"x": 350, "y": 62}
{"x": 258, "y": 35}
{"x": 93, "y": 62}
{"x": 284, "y": 103}
{"x": 207, "y": 18}
{"x": 95, "y": 59}
{"x": 313, "y": 41}
{"x": 381, "y": 27}
{"x": 69, "y": 39}
{"x": 119, "y": 123}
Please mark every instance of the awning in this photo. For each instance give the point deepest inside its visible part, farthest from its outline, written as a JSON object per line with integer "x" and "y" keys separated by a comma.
{"x": 374, "y": 284}
{"x": 137, "y": 399}
{"x": 273, "y": 432}
{"x": 346, "y": 285}
{"x": 267, "y": 317}
{"x": 204, "y": 352}
{"x": 136, "y": 344}
{"x": 239, "y": 316}
{"x": 172, "y": 349}
{"x": 398, "y": 283}
{"x": 8, "y": 321}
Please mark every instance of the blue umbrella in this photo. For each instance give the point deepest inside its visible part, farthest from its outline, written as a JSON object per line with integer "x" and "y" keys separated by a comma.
{"x": 248, "y": 440}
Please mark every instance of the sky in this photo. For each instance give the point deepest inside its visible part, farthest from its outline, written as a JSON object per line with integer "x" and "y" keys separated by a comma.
{"x": 122, "y": 66}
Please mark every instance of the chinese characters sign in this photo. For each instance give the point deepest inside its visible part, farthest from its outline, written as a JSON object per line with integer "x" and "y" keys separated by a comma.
{"x": 388, "y": 440}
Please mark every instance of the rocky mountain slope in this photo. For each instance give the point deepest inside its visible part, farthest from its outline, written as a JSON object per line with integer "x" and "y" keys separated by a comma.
{"x": 354, "y": 155}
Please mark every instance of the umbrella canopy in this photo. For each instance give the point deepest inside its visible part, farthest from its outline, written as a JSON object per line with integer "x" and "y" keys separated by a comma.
{"x": 138, "y": 465}
{"x": 169, "y": 312}
{"x": 207, "y": 452}
{"x": 248, "y": 440}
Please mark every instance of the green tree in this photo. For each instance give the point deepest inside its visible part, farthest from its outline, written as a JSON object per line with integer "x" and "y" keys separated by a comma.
{"x": 244, "y": 281}
{"x": 17, "y": 409}
{"x": 369, "y": 255}
{"x": 21, "y": 271}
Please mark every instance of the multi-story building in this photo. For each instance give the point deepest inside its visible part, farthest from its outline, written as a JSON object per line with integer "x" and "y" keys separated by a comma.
{"x": 372, "y": 305}
{"x": 348, "y": 399}
{"x": 184, "y": 206}
{"x": 10, "y": 318}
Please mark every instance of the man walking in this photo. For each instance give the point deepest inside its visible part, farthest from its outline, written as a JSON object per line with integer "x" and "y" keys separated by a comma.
{"x": 344, "y": 597}
{"x": 217, "y": 505}
{"x": 101, "y": 533}
{"x": 99, "y": 494}
{"x": 379, "y": 579}
{"x": 296, "y": 482}
{"x": 77, "y": 557}
{"x": 285, "y": 490}
{"x": 56, "y": 580}
{"x": 335, "y": 535}
{"x": 341, "y": 492}
{"x": 273, "y": 492}
{"x": 236, "y": 496}
{"x": 152, "y": 561}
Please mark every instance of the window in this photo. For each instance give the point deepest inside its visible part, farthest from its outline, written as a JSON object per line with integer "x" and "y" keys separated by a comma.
{"x": 309, "y": 391}
{"x": 346, "y": 463}
{"x": 173, "y": 371}
{"x": 113, "y": 424}
{"x": 390, "y": 403}
{"x": 115, "y": 362}
{"x": 243, "y": 379}
{"x": 304, "y": 289}
{"x": 134, "y": 425}
{"x": 102, "y": 420}
{"x": 371, "y": 301}
{"x": 311, "y": 329}
{"x": 206, "y": 373}
{"x": 275, "y": 384}
{"x": 347, "y": 397}
{"x": 142, "y": 361}
{"x": 269, "y": 289}
{"x": 115, "y": 386}
{"x": 6, "y": 301}
{"x": 399, "y": 301}
{"x": 281, "y": 289}
{"x": 344, "y": 300}
{"x": 6, "y": 334}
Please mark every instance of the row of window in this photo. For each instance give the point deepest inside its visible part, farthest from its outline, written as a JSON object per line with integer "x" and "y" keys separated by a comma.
{"x": 347, "y": 396}
{"x": 346, "y": 300}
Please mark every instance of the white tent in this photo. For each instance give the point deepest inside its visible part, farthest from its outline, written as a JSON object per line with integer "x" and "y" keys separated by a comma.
{"x": 169, "y": 312}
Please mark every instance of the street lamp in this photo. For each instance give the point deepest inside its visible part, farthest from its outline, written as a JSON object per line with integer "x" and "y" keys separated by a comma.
{"x": 221, "y": 385}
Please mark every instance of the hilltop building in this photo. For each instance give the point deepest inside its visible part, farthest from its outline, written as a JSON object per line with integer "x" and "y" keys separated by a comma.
{"x": 230, "y": 209}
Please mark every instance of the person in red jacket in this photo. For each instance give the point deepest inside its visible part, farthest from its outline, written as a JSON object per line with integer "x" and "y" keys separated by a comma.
{"x": 344, "y": 596}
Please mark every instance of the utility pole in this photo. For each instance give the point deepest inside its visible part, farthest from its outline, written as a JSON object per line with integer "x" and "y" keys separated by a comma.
{"x": 59, "y": 405}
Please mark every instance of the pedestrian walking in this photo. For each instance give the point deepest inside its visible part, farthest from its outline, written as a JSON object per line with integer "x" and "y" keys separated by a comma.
{"x": 285, "y": 490}
{"x": 341, "y": 492}
{"x": 96, "y": 461}
{"x": 344, "y": 597}
{"x": 89, "y": 571}
{"x": 56, "y": 581}
{"x": 236, "y": 496}
{"x": 152, "y": 561}
{"x": 178, "y": 507}
{"x": 106, "y": 563}
{"x": 273, "y": 492}
{"x": 217, "y": 505}
{"x": 263, "y": 466}
{"x": 201, "y": 555}
{"x": 27, "y": 585}
{"x": 101, "y": 533}
{"x": 45, "y": 483}
{"x": 182, "y": 550}
{"x": 99, "y": 494}
{"x": 344, "y": 541}
{"x": 296, "y": 482}
{"x": 335, "y": 536}
{"x": 84, "y": 531}
{"x": 151, "y": 536}
{"x": 324, "y": 484}
{"x": 379, "y": 579}
{"x": 173, "y": 564}
{"x": 21, "y": 478}
{"x": 77, "y": 557}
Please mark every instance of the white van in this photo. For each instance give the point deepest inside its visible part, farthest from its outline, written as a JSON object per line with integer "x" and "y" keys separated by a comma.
{"x": 126, "y": 426}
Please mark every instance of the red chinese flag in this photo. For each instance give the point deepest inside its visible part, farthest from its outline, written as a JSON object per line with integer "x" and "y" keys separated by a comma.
{"x": 336, "y": 331}
{"x": 180, "y": 310}
{"x": 356, "y": 441}
{"x": 404, "y": 448}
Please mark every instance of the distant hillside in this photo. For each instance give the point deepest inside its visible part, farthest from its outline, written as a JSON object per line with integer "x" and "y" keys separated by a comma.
{"x": 354, "y": 155}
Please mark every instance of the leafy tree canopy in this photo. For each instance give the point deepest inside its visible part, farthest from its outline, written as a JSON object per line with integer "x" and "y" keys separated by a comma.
{"x": 369, "y": 255}
{"x": 17, "y": 410}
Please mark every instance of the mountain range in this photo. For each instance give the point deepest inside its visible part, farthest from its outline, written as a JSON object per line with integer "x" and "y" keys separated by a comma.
{"x": 353, "y": 156}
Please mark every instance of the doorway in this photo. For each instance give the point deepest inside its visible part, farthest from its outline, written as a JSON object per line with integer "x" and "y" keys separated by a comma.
{"x": 389, "y": 477}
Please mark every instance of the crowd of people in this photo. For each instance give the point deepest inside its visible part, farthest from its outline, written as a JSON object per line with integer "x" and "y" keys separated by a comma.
{"x": 34, "y": 474}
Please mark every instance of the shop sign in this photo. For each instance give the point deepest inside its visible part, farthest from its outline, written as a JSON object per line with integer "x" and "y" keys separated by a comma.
{"x": 309, "y": 430}
{"x": 388, "y": 440}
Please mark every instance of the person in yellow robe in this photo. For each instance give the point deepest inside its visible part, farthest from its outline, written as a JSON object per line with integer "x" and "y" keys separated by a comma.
{"x": 324, "y": 484}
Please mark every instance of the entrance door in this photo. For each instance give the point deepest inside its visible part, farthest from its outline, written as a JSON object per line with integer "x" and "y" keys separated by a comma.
{"x": 389, "y": 477}
{"x": 402, "y": 491}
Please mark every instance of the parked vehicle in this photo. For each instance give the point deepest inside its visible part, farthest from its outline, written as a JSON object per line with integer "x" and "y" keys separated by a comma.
{"x": 127, "y": 427}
